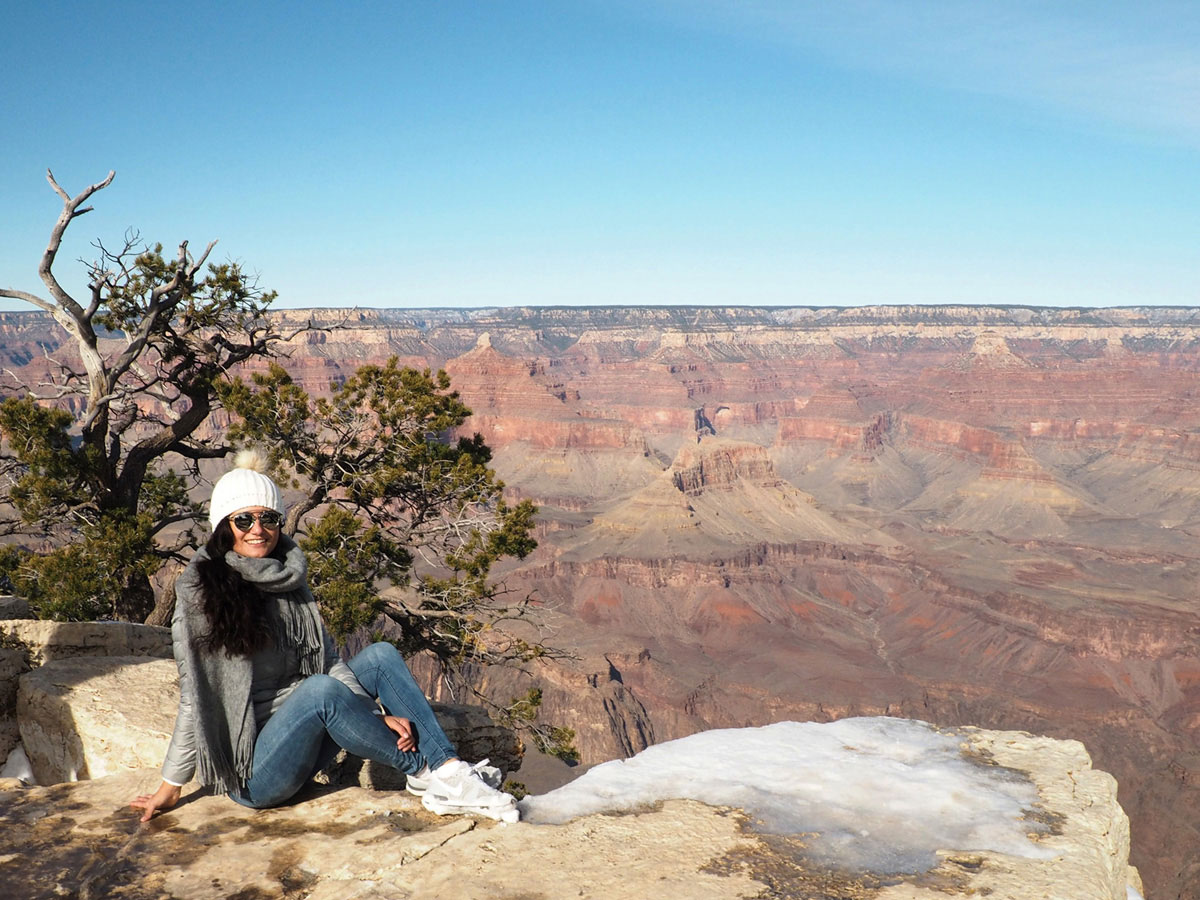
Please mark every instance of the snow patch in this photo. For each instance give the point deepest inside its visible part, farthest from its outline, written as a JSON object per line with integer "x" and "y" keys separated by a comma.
{"x": 17, "y": 766}
{"x": 875, "y": 794}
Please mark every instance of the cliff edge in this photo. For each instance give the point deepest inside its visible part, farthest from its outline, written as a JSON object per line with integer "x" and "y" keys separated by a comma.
{"x": 81, "y": 839}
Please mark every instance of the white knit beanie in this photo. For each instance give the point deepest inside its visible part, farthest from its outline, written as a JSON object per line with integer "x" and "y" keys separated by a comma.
{"x": 244, "y": 486}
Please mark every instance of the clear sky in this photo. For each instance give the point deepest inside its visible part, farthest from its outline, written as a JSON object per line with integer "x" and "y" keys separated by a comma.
{"x": 756, "y": 152}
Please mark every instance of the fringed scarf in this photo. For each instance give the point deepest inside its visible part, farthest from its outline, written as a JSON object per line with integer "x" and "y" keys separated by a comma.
{"x": 220, "y": 686}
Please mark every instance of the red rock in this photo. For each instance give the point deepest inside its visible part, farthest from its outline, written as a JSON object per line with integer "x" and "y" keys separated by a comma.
{"x": 975, "y": 515}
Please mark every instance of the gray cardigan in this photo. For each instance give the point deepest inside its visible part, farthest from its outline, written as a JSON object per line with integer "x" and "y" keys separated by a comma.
{"x": 238, "y": 695}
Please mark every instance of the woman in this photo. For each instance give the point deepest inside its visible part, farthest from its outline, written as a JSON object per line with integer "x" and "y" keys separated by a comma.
{"x": 265, "y": 701}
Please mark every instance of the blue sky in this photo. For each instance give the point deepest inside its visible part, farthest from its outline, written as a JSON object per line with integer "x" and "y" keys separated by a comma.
{"x": 758, "y": 152}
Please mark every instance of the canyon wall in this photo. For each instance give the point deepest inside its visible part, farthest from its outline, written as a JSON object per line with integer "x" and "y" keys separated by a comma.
{"x": 969, "y": 515}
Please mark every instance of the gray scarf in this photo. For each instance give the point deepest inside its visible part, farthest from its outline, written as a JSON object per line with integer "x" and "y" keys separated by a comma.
{"x": 220, "y": 686}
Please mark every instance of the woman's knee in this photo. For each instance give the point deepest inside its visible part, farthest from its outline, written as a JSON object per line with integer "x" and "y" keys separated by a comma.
{"x": 379, "y": 659}
{"x": 324, "y": 689}
{"x": 380, "y": 653}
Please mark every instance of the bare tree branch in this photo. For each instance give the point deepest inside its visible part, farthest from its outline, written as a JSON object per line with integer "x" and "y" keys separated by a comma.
{"x": 152, "y": 344}
{"x": 70, "y": 211}
{"x": 194, "y": 451}
{"x": 37, "y": 301}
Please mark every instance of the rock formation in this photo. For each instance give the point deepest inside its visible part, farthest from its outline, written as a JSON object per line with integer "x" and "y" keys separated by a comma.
{"x": 971, "y": 515}
{"x": 94, "y": 716}
{"x": 107, "y": 720}
{"x": 81, "y": 839}
{"x": 42, "y": 642}
{"x": 26, "y": 644}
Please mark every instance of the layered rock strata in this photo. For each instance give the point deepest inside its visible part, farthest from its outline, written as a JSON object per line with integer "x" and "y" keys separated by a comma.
{"x": 972, "y": 515}
{"x": 43, "y": 642}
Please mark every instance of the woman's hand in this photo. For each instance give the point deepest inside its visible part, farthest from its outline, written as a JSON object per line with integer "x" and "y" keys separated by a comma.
{"x": 407, "y": 740}
{"x": 165, "y": 797}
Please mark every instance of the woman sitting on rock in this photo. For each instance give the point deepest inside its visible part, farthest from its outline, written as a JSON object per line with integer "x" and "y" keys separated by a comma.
{"x": 265, "y": 701}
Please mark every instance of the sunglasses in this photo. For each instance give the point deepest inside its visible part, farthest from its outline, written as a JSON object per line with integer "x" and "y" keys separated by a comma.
{"x": 269, "y": 520}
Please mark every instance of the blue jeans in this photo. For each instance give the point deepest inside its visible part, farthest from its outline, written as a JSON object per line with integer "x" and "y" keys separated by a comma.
{"x": 322, "y": 715}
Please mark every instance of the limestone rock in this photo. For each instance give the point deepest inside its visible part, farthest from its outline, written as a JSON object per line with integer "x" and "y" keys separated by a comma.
{"x": 26, "y": 643}
{"x": 45, "y": 641}
{"x": 12, "y": 667}
{"x": 355, "y": 844}
{"x": 88, "y": 717}
{"x": 13, "y": 608}
{"x": 349, "y": 844}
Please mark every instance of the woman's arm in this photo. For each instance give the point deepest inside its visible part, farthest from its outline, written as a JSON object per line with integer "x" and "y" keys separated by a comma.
{"x": 180, "y": 762}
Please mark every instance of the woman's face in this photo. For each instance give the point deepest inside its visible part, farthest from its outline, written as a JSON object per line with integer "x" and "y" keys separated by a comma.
{"x": 258, "y": 540}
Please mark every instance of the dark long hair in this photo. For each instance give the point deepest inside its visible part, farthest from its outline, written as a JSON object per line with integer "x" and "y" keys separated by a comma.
{"x": 234, "y": 608}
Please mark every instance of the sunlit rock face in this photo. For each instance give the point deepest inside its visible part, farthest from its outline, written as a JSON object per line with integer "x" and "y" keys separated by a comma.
{"x": 89, "y": 717}
{"x": 965, "y": 515}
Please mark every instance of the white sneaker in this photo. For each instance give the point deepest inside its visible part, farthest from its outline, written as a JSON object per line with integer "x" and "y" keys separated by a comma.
{"x": 419, "y": 783}
{"x": 455, "y": 788}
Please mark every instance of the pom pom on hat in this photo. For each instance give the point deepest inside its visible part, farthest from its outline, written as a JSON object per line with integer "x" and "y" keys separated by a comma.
{"x": 243, "y": 486}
